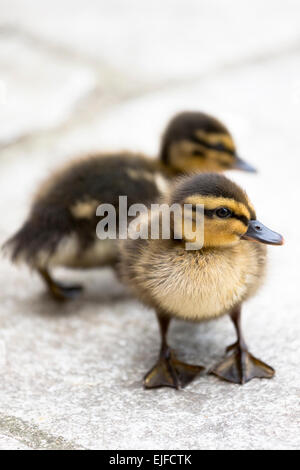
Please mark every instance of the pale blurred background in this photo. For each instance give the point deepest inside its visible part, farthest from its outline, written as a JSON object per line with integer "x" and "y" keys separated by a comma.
{"x": 78, "y": 76}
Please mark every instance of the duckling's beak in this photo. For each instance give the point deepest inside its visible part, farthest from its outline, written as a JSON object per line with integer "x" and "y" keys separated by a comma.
{"x": 240, "y": 164}
{"x": 260, "y": 233}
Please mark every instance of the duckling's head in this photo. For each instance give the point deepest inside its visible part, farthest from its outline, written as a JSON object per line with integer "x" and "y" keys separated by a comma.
{"x": 229, "y": 216}
{"x": 196, "y": 141}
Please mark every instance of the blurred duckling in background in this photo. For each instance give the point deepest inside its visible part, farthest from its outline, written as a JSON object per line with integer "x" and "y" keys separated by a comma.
{"x": 205, "y": 283}
{"x": 61, "y": 227}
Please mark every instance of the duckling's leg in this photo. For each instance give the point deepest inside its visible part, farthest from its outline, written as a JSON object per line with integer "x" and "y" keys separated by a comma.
{"x": 169, "y": 371}
{"x": 59, "y": 290}
{"x": 241, "y": 367}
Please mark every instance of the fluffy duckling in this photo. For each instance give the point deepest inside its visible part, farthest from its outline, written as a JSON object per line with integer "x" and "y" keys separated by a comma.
{"x": 61, "y": 227}
{"x": 205, "y": 283}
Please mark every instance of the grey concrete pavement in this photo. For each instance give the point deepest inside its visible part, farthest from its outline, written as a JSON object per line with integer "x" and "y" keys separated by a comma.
{"x": 72, "y": 375}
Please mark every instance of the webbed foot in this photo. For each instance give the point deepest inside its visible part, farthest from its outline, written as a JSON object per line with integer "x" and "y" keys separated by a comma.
{"x": 241, "y": 367}
{"x": 170, "y": 372}
{"x": 62, "y": 292}
{"x": 59, "y": 291}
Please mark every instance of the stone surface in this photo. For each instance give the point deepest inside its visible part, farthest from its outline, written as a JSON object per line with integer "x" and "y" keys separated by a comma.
{"x": 9, "y": 443}
{"x": 72, "y": 374}
{"x": 158, "y": 41}
{"x": 37, "y": 90}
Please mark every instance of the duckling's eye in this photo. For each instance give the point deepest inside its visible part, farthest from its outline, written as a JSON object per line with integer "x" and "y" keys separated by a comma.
{"x": 220, "y": 147}
{"x": 223, "y": 213}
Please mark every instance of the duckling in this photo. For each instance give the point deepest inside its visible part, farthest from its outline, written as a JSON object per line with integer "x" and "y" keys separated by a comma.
{"x": 61, "y": 227}
{"x": 205, "y": 282}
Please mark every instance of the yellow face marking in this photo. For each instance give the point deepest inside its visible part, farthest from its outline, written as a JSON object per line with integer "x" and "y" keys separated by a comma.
{"x": 184, "y": 159}
{"x": 217, "y": 138}
{"x": 222, "y": 232}
{"x": 237, "y": 226}
{"x": 222, "y": 158}
{"x": 217, "y": 231}
{"x": 211, "y": 203}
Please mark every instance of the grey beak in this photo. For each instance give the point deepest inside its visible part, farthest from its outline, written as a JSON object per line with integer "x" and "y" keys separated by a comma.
{"x": 260, "y": 233}
{"x": 240, "y": 164}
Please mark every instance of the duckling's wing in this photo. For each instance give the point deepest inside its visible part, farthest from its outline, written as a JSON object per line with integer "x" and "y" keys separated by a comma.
{"x": 64, "y": 211}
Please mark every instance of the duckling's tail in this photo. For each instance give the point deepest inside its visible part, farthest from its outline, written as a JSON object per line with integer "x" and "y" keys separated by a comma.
{"x": 27, "y": 244}
{"x": 37, "y": 239}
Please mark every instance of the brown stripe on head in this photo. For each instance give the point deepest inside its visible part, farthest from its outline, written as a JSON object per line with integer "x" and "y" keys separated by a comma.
{"x": 211, "y": 203}
{"x": 216, "y": 138}
{"x": 212, "y": 187}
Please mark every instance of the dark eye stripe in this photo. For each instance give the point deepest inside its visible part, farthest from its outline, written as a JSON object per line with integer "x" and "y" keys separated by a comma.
{"x": 211, "y": 212}
{"x": 216, "y": 147}
{"x": 198, "y": 153}
{"x": 194, "y": 208}
{"x": 242, "y": 218}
